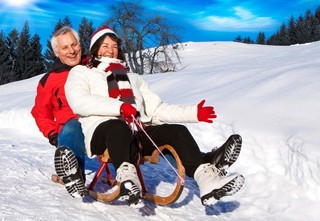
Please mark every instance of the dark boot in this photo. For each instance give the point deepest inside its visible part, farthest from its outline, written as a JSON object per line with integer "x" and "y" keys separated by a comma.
{"x": 224, "y": 156}
{"x": 66, "y": 166}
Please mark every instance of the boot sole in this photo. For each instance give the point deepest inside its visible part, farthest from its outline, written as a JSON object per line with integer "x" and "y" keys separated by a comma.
{"x": 130, "y": 192}
{"x": 232, "y": 152}
{"x": 66, "y": 166}
{"x": 228, "y": 189}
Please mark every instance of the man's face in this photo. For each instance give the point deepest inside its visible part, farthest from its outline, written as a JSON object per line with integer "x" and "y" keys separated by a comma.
{"x": 69, "y": 50}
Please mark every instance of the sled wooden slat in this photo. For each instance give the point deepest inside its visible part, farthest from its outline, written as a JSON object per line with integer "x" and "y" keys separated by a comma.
{"x": 153, "y": 159}
{"x": 104, "y": 197}
{"x": 166, "y": 200}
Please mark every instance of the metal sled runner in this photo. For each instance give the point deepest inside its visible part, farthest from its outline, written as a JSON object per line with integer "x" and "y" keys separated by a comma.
{"x": 114, "y": 194}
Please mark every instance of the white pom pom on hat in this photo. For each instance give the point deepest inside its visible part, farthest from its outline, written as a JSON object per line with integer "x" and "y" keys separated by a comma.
{"x": 99, "y": 32}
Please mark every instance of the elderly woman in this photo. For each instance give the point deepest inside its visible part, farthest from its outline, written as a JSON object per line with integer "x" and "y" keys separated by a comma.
{"x": 106, "y": 98}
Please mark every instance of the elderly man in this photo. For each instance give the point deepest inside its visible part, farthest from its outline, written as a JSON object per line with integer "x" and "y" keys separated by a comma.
{"x": 54, "y": 117}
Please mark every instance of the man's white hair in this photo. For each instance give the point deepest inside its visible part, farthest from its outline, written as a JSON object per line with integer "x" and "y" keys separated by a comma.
{"x": 62, "y": 31}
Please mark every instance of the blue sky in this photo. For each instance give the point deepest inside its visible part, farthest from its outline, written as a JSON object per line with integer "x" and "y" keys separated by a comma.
{"x": 201, "y": 20}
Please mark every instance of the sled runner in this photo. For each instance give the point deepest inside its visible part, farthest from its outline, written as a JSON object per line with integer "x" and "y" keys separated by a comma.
{"x": 55, "y": 178}
{"x": 114, "y": 194}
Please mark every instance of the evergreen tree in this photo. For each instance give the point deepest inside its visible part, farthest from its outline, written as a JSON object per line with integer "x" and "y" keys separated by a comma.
{"x": 283, "y": 35}
{"x": 317, "y": 13}
{"x": 66, "y": 21}
{"x": 300, "y": 30}
{"x": 37, "y": 66}
{"x": 12, "y": 42}
{"x": 261, "y": 38}
{"x": 238, "y": 39}
{"x": 317, "y": 25}
{"x": 248, "y": 40}
{"x": 5, "y": 61}
{"x": 292, "y": 31}
{"x": 308, "y": 27}
{"x": 23, "y": 54}
{"x": 85, "y": 32}
{"x": 273, "y": 40}
{"x": 280, "y": 38}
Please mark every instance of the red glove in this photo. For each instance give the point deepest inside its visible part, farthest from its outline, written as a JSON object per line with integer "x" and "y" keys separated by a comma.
{"x": 205, "y": 113}
{"x": 127, "y": 110}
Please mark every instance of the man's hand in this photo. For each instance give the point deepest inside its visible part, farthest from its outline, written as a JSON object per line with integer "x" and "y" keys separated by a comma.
{"x": 53, "y": 139}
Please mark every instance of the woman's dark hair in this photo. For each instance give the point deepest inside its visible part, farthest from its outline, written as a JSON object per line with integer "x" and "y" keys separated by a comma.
{"x": 95, "y": 47}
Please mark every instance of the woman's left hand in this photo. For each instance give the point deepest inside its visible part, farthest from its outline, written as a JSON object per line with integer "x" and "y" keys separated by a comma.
{"x": 206, "y": 113}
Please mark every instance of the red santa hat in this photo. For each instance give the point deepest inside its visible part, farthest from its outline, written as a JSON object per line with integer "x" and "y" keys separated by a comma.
{"x": 99, "y": 32}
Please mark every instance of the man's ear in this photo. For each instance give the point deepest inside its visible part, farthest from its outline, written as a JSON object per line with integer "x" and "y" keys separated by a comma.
{"x": 55, "y": 53}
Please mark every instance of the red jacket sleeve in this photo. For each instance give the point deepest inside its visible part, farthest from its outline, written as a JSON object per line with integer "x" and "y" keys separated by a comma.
{"x": 42, "y": 111}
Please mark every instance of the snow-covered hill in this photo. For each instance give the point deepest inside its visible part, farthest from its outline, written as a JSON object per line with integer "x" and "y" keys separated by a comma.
{"x": 269, "y": 95}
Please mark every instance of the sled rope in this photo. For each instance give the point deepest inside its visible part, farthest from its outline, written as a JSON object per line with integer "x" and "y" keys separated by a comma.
{"x": 138, "y": 123}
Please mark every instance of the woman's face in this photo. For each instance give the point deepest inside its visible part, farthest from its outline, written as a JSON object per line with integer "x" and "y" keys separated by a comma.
{"x": 108, "y": 48}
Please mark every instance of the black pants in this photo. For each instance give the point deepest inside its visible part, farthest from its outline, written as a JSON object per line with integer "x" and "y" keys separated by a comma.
{"x": 122, "y": 146}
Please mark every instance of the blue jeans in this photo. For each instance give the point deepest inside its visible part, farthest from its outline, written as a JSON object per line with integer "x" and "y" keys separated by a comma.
{"x": 72, "y": 137}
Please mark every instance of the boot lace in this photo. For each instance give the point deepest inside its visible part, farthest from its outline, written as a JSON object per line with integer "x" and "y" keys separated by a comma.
{"x": 220, "y": 172}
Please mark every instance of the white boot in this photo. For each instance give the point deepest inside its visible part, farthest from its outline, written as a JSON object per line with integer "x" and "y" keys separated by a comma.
{"x": 130, "y": 188}
{"x": 212, "y": 186}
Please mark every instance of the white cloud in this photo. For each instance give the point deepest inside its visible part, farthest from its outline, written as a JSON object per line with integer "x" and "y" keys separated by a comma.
{"x": 241, "y": 20}
{"x": 243, "y": 13}
{"x": 166, "y": 8}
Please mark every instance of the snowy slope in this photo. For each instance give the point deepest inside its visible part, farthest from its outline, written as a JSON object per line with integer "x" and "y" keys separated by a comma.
{"x": 269, "y": 95}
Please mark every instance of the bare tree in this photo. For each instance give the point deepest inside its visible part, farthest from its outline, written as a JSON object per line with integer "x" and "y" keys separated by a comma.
{"x": 147, "y": 40}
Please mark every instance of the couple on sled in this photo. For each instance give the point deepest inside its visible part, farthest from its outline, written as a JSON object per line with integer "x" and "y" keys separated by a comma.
{"x": 108, "y": 100}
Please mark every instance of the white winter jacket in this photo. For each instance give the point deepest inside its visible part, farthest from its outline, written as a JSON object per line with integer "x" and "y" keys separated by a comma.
{"x": 87, "y": 94}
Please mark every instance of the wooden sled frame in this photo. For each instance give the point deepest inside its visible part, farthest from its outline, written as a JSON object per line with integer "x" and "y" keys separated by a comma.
{"x": 153, "y": 159}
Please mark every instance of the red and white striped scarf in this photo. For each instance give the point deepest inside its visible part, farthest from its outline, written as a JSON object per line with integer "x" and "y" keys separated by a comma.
{"x": 119, "y": 86}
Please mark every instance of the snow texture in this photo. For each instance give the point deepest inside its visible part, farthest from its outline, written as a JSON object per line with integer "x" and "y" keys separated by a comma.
{"x": 268, "y": 94}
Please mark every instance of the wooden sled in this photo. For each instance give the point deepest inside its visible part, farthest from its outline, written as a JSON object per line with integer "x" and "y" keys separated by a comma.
{"x": 153, "y": 159}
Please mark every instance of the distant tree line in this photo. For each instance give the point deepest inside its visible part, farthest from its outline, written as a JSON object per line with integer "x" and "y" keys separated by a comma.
{"x": 149, "y": 41}
{"x": 298, "y": 31}
{"x": 21, "y": 55}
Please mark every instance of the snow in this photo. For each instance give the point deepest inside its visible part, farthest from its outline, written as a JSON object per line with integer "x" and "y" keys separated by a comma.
{"x": 268, "y": 94}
